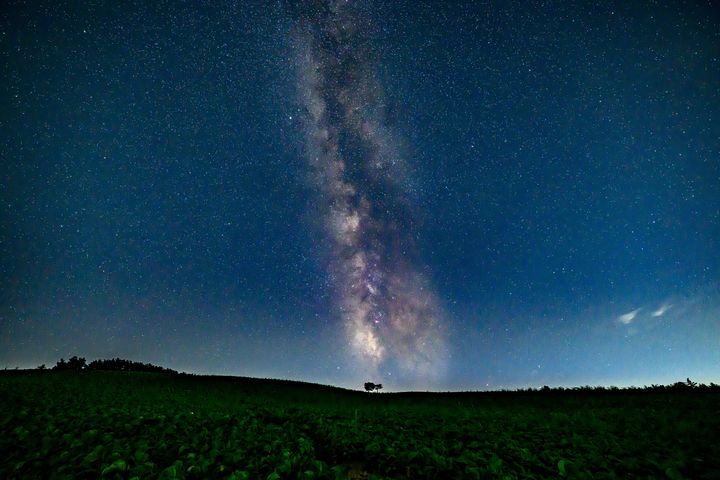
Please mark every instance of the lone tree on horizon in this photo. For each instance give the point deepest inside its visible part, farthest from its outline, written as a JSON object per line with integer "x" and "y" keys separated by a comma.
{"x": 369, "y": 386}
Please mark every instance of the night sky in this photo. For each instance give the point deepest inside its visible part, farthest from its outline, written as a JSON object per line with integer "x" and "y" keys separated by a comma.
{"x": 430, "y": 195}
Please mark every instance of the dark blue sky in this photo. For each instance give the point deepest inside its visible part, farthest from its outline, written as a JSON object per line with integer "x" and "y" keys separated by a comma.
{"x": 547, "y": 210}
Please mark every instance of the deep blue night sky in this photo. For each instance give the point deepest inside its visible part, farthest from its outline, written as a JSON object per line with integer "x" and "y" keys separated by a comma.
{"x": 434, "y": 195}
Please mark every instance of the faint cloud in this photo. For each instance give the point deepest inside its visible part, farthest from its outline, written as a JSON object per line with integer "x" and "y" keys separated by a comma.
{"x": 626, "y": 318}
{"x": 661, "y": 311}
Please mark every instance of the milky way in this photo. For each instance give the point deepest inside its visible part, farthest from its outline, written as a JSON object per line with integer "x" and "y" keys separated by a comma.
{"x": 391, "y": 314}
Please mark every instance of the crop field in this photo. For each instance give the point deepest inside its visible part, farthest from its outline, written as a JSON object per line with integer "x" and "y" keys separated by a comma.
{"x": 123, "y": 425}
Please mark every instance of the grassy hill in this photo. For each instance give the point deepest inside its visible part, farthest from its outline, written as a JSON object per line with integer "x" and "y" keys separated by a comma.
{"x": 96, "y": 424}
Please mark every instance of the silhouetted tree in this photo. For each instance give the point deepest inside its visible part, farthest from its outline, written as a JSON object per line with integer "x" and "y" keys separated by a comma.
{"x": 119, "y": 364}
{"x": 370, "y": 387}
{"x": 41, "y": 367}
{"x": 60, "y": 365}
{"x": 74, "y": 363}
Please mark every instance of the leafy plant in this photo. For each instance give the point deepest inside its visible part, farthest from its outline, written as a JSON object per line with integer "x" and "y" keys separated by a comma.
{"x": 143, "y": 425}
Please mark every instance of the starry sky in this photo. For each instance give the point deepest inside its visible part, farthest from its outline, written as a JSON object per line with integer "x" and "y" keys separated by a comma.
{"x": 430, "y": 195}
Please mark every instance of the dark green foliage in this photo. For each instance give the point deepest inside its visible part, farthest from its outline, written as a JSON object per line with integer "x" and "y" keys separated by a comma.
{"x": 74, "y": 363}
{"x": 115, "y": 364}
{"x": 124, "y": 425}
{"x": 119, "y": 364}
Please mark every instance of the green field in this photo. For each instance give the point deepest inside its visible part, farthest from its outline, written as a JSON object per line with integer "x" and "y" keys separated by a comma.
{"x": 147, "y": 425}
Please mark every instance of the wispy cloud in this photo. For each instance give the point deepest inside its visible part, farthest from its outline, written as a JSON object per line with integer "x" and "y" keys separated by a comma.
{"x": 627, "y": 318}
{"x": 661, "y": 310}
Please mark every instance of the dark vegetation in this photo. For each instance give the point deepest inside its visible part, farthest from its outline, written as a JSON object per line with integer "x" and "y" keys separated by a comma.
{"x": 115, "y": 364}
{"x": 100, "y": 423}
{"x": 372, "y": 387}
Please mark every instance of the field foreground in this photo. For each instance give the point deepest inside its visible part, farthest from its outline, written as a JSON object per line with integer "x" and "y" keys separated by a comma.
{"x": 145, "y": 425}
